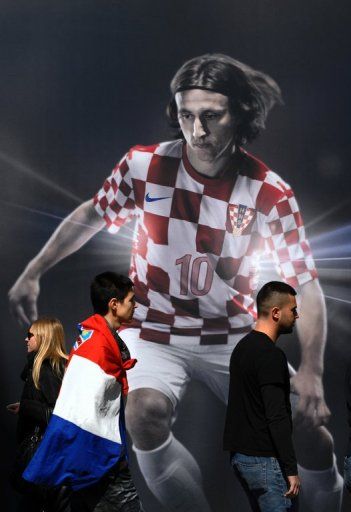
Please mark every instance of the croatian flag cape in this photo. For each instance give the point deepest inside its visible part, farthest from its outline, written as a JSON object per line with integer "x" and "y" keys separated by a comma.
{"x": 86, "y": 434}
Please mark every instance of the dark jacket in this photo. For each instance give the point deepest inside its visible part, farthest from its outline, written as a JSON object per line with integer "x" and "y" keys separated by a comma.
{"x": 37, "y": 404}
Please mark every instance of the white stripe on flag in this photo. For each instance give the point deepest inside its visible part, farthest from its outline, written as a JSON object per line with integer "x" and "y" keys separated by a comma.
{"x": 90, "y": 399}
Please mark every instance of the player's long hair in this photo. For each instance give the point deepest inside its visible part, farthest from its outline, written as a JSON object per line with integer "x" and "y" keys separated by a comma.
{"x": 251, "y": 93}
{"x": 50, "y": 338}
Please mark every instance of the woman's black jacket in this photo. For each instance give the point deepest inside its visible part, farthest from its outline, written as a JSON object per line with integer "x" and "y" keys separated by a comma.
{"x": 36, "y": 404}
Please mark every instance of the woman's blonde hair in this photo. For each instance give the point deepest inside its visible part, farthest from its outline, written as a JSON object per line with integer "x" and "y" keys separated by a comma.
{"x": 50, "y": 339}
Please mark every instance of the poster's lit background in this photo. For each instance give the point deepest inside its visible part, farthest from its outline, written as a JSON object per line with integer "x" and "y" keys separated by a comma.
{"x": 82, "y": 81}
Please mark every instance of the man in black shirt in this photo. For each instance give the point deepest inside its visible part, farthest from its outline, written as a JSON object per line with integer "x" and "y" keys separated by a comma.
{"x": 258, "y": 429}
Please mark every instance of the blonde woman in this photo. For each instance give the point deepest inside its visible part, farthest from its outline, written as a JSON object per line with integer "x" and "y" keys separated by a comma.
{"x": 42, "y": 375}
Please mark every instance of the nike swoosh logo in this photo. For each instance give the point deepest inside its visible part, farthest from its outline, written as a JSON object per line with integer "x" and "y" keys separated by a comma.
{"x": 152, "y": 199}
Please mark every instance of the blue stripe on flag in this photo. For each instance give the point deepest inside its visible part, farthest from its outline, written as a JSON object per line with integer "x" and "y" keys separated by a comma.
{"x": 72, "y": 456}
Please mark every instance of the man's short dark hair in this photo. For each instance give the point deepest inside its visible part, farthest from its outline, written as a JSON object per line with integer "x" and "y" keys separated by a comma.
{"x": 272, "y": 294}
{"x": 251, "y": 93}
{"x": 107, "y": 286}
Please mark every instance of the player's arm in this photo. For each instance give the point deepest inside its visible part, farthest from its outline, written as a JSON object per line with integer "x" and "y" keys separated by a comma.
{"x": 292, "y": 254}
{"x": 312, "y": 333}
{"x": 73, "y": 232}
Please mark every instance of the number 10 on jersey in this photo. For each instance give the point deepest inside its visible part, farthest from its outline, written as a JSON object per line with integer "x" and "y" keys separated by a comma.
{"x": 196, "y": 275}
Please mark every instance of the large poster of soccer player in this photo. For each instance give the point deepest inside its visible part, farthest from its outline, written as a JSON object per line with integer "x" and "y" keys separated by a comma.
{"x": 228, "y": 127}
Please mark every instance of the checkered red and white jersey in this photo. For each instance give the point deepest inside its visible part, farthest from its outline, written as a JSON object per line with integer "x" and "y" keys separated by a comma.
{"x": 198, "y": 240}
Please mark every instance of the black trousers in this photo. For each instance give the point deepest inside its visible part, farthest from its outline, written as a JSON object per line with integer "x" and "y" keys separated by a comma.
{"x": 115, "y": 492}
{"x": 54, "y": 500}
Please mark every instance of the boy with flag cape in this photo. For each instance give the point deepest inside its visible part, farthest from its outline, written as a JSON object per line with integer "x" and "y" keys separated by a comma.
{"x": 84, "y": 446}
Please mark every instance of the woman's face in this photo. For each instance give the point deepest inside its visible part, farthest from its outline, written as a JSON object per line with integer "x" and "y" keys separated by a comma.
{"x": 32, "y": 344}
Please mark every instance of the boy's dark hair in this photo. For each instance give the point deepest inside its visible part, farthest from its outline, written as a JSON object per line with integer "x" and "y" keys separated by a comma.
{"x": 251, "y": 93}
{"x": 107, "y": 286}
{"x": 272, "y": 294}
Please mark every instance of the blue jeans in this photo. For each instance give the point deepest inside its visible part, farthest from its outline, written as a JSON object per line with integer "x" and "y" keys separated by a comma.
{"x": 347, "y": 472}
{"x": 263, "y": 482}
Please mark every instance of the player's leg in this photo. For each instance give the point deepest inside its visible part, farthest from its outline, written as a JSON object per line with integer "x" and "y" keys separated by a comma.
{"x": 114, "y": 492}
{"x": 156, "y": 385}
{"x": 211, "y": 367}
{"x": 322, "y": 484}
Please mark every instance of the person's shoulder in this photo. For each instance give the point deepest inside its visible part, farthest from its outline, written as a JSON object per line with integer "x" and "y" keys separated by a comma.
{"x": 95, "y": 341}
{"x": 46, "y": 365}
{"x": 241, "y": 344}
{"x": 93, "y": 331}
{"x": 264, "y": 347}
{"x": 252, "y": 167}
{"x": 279, "y": 353}
{"x": 258, "y": 336}
{"x": 268, "y": 187}
{"x": 140, "y": 153}
{"x": 251, "y": 337}
{"x": 275, "y": 356}
{"x": 47, "y": 371}
{"x": 248, "y": 344}
{"x": 268, "y": 356}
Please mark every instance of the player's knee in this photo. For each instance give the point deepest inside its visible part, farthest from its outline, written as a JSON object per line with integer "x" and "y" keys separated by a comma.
{"x": 323, "y": 440}
{"x": 148, "y": 415}
{"x": 318, "y": 438}
{"x": 314, "y": 447}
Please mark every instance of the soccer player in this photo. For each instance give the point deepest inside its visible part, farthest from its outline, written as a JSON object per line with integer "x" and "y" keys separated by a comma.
{"x": 206, "y": 212}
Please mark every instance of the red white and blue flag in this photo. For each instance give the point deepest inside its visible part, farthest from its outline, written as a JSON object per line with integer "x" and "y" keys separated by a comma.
{"x": 86, "y": 434}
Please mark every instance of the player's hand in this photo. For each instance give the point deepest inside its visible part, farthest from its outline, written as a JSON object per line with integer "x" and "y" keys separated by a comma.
{"x": 294, "y": 487}
{"x": 23, "y": 299}
{"x": 311, "y": 411}
{"x": 13, "y": 408}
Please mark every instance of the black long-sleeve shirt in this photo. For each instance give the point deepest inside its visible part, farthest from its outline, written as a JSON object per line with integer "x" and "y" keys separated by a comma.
{"x": 258, "y": 420}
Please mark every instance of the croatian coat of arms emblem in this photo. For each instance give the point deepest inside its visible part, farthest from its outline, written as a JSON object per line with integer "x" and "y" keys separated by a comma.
{"x": 84, "y": 335}
{"x": 240, "y": 217}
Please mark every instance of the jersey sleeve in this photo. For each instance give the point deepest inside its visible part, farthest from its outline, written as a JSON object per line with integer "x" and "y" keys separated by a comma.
{"x": 115, "y": 199}
{"x": 286, "y": 241}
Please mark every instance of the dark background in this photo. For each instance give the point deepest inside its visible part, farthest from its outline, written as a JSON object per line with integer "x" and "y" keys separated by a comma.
{"x": 82, "y": 81}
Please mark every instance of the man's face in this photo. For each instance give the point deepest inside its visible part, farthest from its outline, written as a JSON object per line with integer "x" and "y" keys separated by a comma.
{"x": 288, "y": 315}
{"x": 125, "y": 308}
{"x": 206, "y": 122}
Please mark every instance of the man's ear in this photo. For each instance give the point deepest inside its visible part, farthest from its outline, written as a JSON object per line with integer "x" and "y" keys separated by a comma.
{"x": 113, "y": 305}
{"x": 275, "y": 312}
